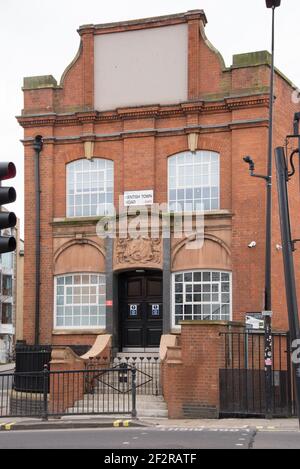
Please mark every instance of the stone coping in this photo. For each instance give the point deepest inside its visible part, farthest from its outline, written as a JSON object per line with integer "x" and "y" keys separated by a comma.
{"x": 93, "y": 220}
{"x": 184, "y": 17}
{"x": 32, "y": 396}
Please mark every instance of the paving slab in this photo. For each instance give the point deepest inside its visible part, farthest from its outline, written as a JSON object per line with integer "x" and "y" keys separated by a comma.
{"x": 288, "y": 425}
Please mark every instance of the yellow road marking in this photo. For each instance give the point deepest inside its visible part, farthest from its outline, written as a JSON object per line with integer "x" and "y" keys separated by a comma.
{"x": 8, "y": 426}
{"x": 117, "y": 423}
{"x": 126, "y": 423}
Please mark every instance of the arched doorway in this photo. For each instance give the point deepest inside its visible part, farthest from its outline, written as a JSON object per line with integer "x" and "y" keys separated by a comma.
{"x": 140, "y": 310}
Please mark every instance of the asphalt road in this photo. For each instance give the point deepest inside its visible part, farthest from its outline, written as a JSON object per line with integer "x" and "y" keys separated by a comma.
{"x": 275, "y": 440}
{"x": 149, "y": 438}
{"x": 131, "y": 438}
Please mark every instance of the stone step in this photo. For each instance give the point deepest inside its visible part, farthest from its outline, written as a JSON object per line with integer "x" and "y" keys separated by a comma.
{"x": 111, "y": 404}
{"x": 147, "y": 406}
{"x": 156, "y": 413}
{"x": 144, "y": 355}
{"x": 140, "y": 399}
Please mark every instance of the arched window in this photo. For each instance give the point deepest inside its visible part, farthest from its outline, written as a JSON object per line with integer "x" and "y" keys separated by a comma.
{"x": 90, "y": 187}
{"x": 194, "y": 179}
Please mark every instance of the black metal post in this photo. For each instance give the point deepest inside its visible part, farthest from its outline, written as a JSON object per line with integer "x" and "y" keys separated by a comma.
{"x": 296, "y": 132}
{"x": 134, "y": 412}
{"x": 287, "y": 249}
{"x": 268, "y": 258}
{"x": 38, "y": 146}
{"x": 45, "y": 392}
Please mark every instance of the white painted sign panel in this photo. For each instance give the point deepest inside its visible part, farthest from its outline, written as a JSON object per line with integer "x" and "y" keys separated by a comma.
{"x": 138, "y": 198}
{"x": 142, "y": 67}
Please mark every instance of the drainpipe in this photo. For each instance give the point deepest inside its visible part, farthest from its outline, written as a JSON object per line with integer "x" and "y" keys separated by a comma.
{"x": 37, "y": 146}
{"x": 296, "y": 133}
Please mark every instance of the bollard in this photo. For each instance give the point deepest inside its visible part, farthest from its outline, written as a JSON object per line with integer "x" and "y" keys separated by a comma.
{"x": 133, "y": 412}
{"x": 46, "y": 374}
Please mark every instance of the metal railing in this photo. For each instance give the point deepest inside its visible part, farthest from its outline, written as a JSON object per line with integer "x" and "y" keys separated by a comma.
{"x": 76, "y": 392}
{"x": 148, "y": 369}
{"x": 148, "y": 379}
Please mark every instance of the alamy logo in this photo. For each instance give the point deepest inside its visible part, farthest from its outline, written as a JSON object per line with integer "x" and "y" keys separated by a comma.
{"x": 296, "y": 352}
{"x": 154, "y": 222}
{"x": 296, "y": 96}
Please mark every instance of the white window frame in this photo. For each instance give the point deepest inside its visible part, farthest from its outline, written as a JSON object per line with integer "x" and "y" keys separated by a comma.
{"x": 180, "y": 183}
{"x": 173, "y": 293}
{"x": 107, "y": 184}
{"x": 96, "y": 327}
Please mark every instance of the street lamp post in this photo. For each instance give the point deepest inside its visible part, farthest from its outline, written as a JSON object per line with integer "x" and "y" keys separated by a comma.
{"x": 268, "y": 355}
{"x": 273, "y": 4}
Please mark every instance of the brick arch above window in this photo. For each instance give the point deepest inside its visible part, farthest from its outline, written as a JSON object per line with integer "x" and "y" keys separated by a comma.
{"x": 217, "y": 144}
{"x": 79, "y": 256}
{"x": 215, "y": 254}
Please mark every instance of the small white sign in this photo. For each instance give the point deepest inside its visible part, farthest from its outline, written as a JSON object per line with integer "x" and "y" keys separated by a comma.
{"x": 255, "y": 321}
{"x": 138, "y": 198}
{"x": 155, "y": 310}
{"x": 133, "y": 310}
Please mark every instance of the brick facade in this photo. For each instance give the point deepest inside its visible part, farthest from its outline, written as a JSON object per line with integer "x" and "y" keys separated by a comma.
{"x": 227, "y": 109}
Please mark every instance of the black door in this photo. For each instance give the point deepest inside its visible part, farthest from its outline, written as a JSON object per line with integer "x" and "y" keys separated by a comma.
{"x": 141, "y": 309}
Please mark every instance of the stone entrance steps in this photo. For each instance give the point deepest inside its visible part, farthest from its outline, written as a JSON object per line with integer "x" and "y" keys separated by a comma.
{"x": 147, "y": 406}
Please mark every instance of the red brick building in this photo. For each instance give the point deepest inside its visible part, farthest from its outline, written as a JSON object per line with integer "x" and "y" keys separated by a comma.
{"x": 149, "y": 105}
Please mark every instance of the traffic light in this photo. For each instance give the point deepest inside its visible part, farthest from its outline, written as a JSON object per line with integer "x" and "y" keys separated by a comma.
{"x": 273, "y": 3}
{"x": 7, "y": 219}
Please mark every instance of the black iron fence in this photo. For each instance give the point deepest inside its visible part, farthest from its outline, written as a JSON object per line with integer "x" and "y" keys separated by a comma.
{"x": 78, "y": 392}
{"x": 242, "y": 380}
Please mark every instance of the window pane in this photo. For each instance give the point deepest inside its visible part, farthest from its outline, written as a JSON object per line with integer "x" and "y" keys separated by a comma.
{"x": 188, "y": 277}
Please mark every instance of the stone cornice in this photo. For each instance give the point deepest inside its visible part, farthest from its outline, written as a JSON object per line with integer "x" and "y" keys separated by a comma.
{"x": 152, "y": 132}
{"x": 202, "y": 107}
{"x": 90, "y": 221}
{"x": 142, "y": 23}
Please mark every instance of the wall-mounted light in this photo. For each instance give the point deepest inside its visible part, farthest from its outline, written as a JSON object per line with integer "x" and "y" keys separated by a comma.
{"x": 252, "y": 245}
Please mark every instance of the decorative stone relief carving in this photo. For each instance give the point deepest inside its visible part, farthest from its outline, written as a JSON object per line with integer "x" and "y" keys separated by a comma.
{"x": 141, "y": 250}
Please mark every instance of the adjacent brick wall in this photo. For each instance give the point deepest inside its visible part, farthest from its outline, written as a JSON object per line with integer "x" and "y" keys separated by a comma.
{"x": 65, "y": 388}
{"x": 191, "y": 372}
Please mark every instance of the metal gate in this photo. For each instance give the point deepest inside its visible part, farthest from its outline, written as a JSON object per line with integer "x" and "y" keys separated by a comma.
{"x": 242, "y": 380}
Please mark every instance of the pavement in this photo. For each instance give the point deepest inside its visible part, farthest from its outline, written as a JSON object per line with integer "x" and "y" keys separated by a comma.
{"x": 94, "y": 422}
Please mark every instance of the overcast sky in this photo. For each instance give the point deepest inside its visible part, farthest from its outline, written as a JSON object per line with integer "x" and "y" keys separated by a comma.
{"x": 38, "y": 37}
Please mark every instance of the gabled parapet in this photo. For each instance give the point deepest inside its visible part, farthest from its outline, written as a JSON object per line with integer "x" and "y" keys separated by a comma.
{"x": 105, "y": 79}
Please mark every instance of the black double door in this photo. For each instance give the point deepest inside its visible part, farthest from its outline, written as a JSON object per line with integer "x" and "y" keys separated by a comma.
{"x": 141, "y": 309}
